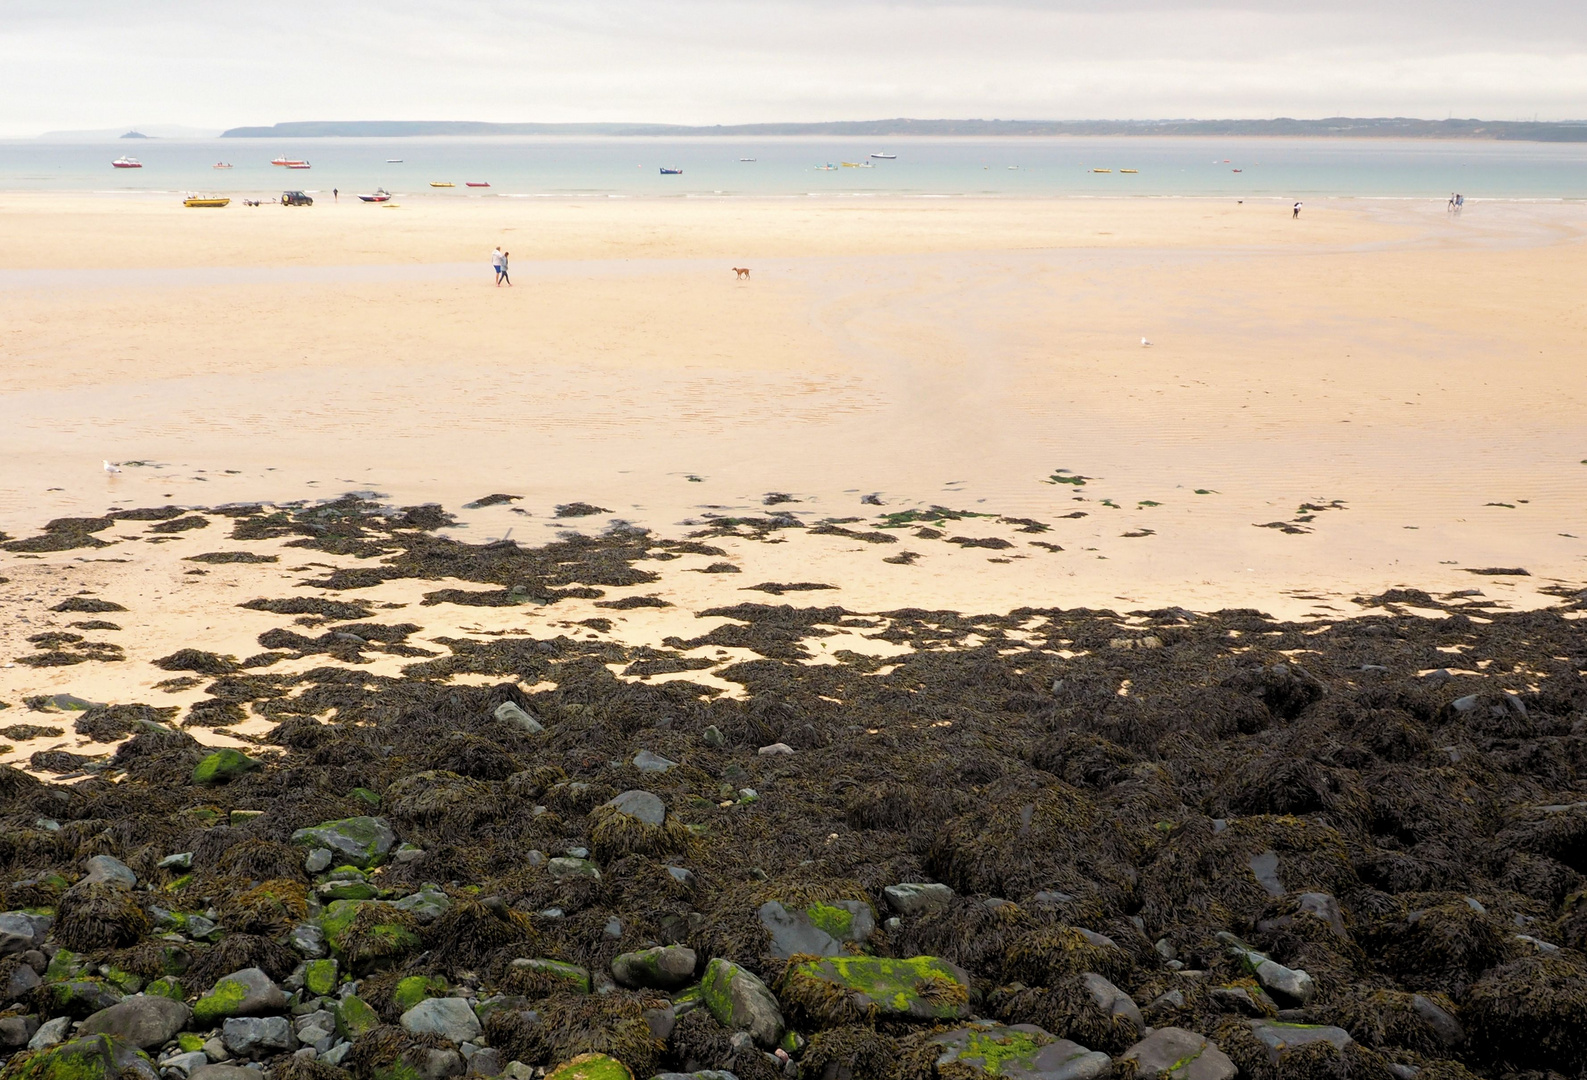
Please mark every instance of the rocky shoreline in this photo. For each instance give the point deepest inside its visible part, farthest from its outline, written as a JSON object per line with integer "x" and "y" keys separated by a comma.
{"x": 1046, "y": 844}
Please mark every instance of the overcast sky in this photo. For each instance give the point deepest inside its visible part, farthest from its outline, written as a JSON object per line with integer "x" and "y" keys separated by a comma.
{"x": 220, "y": 63}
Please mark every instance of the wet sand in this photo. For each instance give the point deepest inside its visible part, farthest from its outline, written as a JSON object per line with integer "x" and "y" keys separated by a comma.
{"x": 1375, "y": 396}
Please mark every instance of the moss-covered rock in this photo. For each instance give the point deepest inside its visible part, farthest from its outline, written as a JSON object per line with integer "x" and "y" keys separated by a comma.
{"x": 167, "y": 986}
{"x": 249, "y": 992}
{"x": 354, "y": 1017}
{"x": 320, "y": 977}
{"x": 78, "y": 998}
{"x": 591, "y": 1067}
{"x": 741, "y": 1002}
{"x": 1019, "y": 1052}
{"x": 552, "y": 975}
{"x": 368, "y": 933}
{"x": 361, "y": 841}
{"x": 97, "y": 1057}
{"x": 415, "y": 988}
{"x": 835, "y": 990}
{"x": 222, "y": 767}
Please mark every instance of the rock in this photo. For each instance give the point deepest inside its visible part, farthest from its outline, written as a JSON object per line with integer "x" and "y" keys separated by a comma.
{"x": 571, "y": 976}
{"x": 144, "y": 1020}
{"x": 591, "y": 1067}
{"x": 319, "y": 977}
{"x": 107, "y": 870}
{"x": 517, "y": 1070}
{"x": 644, "y": 805}
{"x": 318, "y": 860}
{"x": 16, "y": 1031}
{"x": 383, "y": 939}
{"x": 1280, "y": 1038}
{"x": 186, "y": 1064}
{"x": 1113, "y": 1001}
{"x": 1017, "y": 1052}
{"x": 223, "y": 1072}
{"x": 17, "y": 933}
{"x": 182, "y": 860}
{"x": 662, "y": 1020}
{"x": 94, "y": 1057}
{"x": 1172, "y": 1053}
{"x": 216, "y": 1050}
{"x": 508, "y": 713}
{"x": 50, "y": 1033}
{"x": 712, "y": 736}
{"x": 427, "y": 905}
{"x": 79, "y": 998}
{"x": 741, "y": 1002}
{"x": 359, "y": 841}
{"x": 22, "y": 980}
{"x": 249, "y": 992}
{"x": 817, "y": 930}
{"x": 645, "y": 761}
{"x": 222, "y": 767}
{"x": 337, "y": 1054}
{"x": 922, "y": 988}
{"x": 316, "y": 1037}
{"x": 449, "y": 1017}
{"x": 1289, "y": 984}
{"x": 703, "y": 1074}
{"x": 917, "y": 898}
{"x": 324, "y": 1019}
{"x": 560, "y": 868}
{"x": 1264, "y": 867}
{"x": 485, "y": 1061}
{"x": 1314, "y": 905}
{"x": 682, "y": 875}
{"x": 354, "y": 1016}
{"x": 1248, "y": 1002}
{"x": 668, "y": 967}
{"x": 308, "y": 939}
{"x": 776, "y": 749}
{"x": 1443, "y": 1024}
{"x": 258, "y": 1036}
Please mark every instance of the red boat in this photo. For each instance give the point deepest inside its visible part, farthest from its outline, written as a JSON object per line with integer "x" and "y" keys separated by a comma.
{"x": 476, "y": 183}
{"x": 291, "y": 163}
{"x": 127, "y": 163}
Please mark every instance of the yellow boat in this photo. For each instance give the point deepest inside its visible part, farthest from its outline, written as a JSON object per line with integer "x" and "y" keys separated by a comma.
{"x": 1101, "y": 170}
{"x": 442, "y": 183}
{"x": 850, "y": 164}
{"x": 199, "y": 200}
{"x": 1129, "y": 170}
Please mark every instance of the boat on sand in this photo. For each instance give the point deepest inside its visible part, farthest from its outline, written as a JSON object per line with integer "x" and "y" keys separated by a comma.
{"x": 216, "y": 201}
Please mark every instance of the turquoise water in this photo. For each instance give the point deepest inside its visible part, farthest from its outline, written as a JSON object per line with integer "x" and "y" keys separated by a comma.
{"x": 925, "y": 167}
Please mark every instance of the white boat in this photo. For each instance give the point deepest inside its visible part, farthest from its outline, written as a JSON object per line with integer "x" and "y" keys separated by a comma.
{"x": 828, "y": 167}
{"x": 885, "y": 157}
{"x": 393, "y": 161}
{"x": 746, "y": 159}
{"x": 127, "y": 163}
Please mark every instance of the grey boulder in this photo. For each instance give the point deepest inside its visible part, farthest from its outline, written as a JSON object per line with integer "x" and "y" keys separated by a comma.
{"x": 1017, "y": 1052}
{"x": 449, "y": 1017}
{"x": 508, "y": 713}
{"x": 1280, "y": 1038}
{"x": 50, "y": 1032}
{"x": 644, "y": 805}
{"x": 18, "y": 933}
{"x": 1113, "y": 1001}
{"x": 645, "y": 761}
{"x": 915, "y": 898}
{"x": 258, "y": 1036}
{"x": 741, "y": 1002}
{"x": 223, "y": 1072}
{"x": 143, "y": 1020}
{"x": 666, "y": 967}
{"x": 359, "y": 841}
{"x": 103, "y": 869}
{"x": 819, "y": 930}
{"x": 1172, "y": 1053}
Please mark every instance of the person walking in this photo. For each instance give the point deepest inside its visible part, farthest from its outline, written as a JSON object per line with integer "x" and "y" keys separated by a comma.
{"x": 1296, "y": 212}
{"x": 496, "y": 258}
{"x": 504, "y": 257}
{"x": 336, "y": 195}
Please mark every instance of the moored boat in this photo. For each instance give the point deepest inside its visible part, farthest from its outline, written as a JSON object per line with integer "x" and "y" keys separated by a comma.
{"x": 477, "y": 183}
{"x": 442, "y": 183}
{"x": 379, "y": 195}
{"x": 671, "y": 172}
{"x": 127, "y": 163}
{"x": 221, "y": 165}
{"x": 299, "y": 165}
{"x": 288, "y": 162}
{"x": 885, "y": 157}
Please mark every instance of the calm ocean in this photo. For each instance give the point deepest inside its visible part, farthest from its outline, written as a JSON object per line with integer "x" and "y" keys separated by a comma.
{"x": 614, "y": 167}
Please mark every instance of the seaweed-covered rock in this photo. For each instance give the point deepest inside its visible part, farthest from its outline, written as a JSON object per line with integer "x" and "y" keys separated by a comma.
{"x": 99, "y": 915}
{"x": 143, "y": 1020}
{"x": 368, "y": 933}
{"x": 78, "y": 998}
{"x": 94, "y": 1057}
{"x": 664, "y": 967}
{"x": 1290, "y": 984}
{"x": 591, "y": 1067}
{"x": 914, "y": 898}
{"x": 360, "y": 841}
{"x": 1172, "y": 1053}
{"x": 741, "y": 1002}
{"x": 550, "y": 975}
{"x": 1531, "y": 1013}
{"x": 1020, "y": 1052}
{"x": 1281, "y": 1038}
{"x": 847, "y": 989}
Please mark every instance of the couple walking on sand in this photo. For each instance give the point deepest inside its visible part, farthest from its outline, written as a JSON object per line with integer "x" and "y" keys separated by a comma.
{"x": 498, "y": 261}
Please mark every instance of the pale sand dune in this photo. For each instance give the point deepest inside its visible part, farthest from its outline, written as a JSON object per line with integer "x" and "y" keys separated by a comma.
{"x": 1413, "y": 367}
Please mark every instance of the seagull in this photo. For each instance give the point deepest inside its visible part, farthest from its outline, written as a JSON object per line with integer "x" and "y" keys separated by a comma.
{"x": 1145, "y": 344}
{"x": 112, "y": 468}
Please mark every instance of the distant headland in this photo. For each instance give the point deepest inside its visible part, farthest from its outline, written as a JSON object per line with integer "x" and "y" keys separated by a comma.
{"x": 1336, "y": 126}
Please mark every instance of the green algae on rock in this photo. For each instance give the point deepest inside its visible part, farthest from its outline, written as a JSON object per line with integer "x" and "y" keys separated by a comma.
{"x": 361, "y": 841}
{"x": 591, "y": 1067}
{"x": 1017, "y": 1051}
{"x": 222, "y": 767}
{"x": 368, "y": 933}
{"x": 96, "y": 1057}
{"x": 848, "y": 989}
{"x": 741, "y": 1002}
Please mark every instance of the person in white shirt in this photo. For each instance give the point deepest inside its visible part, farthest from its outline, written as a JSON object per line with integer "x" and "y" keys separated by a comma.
{"x": 496, "y": 259}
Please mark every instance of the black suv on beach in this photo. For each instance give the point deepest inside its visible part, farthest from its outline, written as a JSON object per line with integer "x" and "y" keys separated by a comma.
{"x": 295, "y": 198}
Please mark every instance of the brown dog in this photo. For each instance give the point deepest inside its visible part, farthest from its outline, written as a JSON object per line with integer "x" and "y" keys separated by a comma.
{"x": 741, "y": 271}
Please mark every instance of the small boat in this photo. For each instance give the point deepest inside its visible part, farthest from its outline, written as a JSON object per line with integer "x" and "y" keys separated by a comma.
{"x": 1129, "y": 170}
{"x": 746, "y": 159}
{"x": 865, "y": 165}
{"x": 828, "y": 167}
{"x": 300, "y": 165}
{"x": 851, "y": 164}
{"x": 885, "y": 157}
{"x": 442, "y": 183}
{"x": 1237, "y": 170}
{"x": 288, "y": 162}
{"x": 1102, "y": 170}
{"x": 221, "y": 165}
{"x": 477, "y": 183}
{"x": 393, "y": 161}
{"x": 671, "y": 172}
{"x": 127, "y": 163}
{"x": 205, "y": 200}
{"x": 1013, "y": 168}
{"x": 380, "y": 195}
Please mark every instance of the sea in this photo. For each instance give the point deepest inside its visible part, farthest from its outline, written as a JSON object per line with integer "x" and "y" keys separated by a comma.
{"x": 570, "y": 167}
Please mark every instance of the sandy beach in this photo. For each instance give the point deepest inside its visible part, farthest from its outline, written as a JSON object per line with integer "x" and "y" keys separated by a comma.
{"x": 1378, "y": 395}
